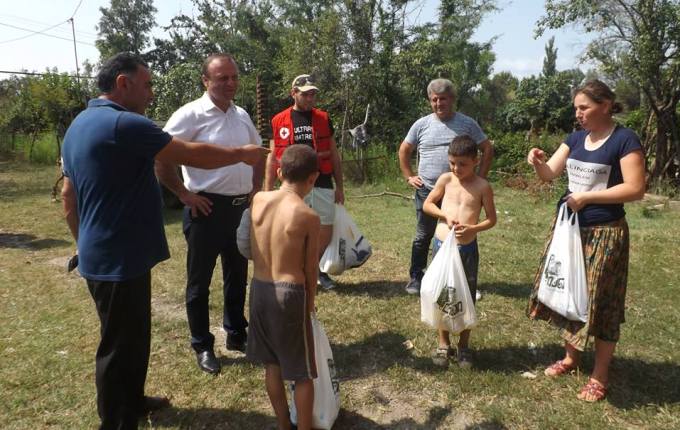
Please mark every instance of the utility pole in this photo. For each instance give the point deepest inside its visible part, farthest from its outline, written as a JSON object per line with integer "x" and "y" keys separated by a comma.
{"x": 75, "y": 53}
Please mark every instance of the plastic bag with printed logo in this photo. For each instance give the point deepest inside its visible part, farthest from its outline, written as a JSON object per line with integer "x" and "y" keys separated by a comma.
{"x": 563, "y": 287}
{"x": 445, "y": 299}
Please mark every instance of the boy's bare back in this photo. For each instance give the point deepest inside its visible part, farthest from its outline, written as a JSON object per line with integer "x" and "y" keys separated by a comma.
{"x": 463, "y": 201}
{"x": 284, "y": 238}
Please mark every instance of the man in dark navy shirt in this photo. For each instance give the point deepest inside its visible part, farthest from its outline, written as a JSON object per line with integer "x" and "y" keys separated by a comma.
{"x": 113, "y": 209}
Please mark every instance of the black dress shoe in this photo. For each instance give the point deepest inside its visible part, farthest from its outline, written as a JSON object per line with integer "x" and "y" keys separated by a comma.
{"x": 236, "y": 342}
{"x": 153, "y": 404}
{"x": 208, "y": 362}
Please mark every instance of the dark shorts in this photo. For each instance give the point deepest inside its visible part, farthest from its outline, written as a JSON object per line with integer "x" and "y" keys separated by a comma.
{"x": 280, "y": 330}
{"x": 469, "y": 254}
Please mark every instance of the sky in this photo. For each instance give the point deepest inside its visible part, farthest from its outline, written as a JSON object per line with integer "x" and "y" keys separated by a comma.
{"x": 513, "y": 26}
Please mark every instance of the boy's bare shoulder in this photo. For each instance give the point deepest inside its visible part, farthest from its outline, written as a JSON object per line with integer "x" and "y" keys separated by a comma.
{"x": 482, "y": 183}
{"x": 261, "y": 201}
{"x": 445, "y": 178}
{"x": 303, "y": 214}
{"x": 258, "y": 197}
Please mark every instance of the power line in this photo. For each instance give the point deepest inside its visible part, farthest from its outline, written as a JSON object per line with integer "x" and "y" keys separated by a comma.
{"x": 32, "y": 34}
{"x": 77, "y": 7}
{"x": 31, "y": 22}
{"x": 40, "y": 32}
{"x": 8, "y": 72}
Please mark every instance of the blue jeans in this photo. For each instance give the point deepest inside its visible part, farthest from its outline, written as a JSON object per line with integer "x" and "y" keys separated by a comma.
{"x": 425, "y": 226}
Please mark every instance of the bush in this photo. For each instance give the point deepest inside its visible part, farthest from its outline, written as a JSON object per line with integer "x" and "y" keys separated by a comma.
{"x": 636, "y": 120}
{"x": 511, "y": 150}
{"x": 42, "y": 149}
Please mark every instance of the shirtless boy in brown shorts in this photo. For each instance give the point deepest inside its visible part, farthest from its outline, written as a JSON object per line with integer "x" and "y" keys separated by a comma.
{"x": 284, "y": 247}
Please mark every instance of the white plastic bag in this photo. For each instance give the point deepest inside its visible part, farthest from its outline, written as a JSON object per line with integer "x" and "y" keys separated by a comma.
{"x": 326, "y": 385}
{"x": 563, "y": 286}
{"x": 243, "y": 235}
{"x": 445, "y": 299}
{"x": 348, "y": 248}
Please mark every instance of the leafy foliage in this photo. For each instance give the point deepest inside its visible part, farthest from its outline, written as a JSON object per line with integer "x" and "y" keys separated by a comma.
{"x": 33, "y": 105}
{"x": 361, "y": 52}
{"x": 366, "y": 52}
{"x": 124, "y": 27}
{"x": 640, "y": 43}
{"x": 178, "y": 86}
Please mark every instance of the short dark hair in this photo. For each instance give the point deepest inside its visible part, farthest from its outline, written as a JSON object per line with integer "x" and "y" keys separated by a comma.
{"x": 122, "y": 63}
{"x": 298, "y": 163}
{"x": 463, "y": 146}
{"x": 599, "y": 92}
{"x": 210, "y": 58}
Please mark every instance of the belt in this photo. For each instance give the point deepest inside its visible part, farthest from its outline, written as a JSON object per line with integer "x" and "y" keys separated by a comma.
{"x": 234, "y": 200}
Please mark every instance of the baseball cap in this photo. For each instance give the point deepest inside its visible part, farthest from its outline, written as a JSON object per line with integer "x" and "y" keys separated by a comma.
{"x": 304, "y": 83}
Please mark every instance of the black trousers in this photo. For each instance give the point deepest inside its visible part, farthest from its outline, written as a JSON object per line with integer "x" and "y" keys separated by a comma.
{"x": 124, "y": 310}
{"x": 207, "y": 238}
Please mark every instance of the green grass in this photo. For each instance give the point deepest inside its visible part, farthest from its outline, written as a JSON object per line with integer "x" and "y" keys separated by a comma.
{"x": 49, "y": 329}
{"x": 43, "y": 150}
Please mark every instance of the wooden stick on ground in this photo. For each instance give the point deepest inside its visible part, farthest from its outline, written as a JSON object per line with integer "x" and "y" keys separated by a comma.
{"x": 384, "y": 193}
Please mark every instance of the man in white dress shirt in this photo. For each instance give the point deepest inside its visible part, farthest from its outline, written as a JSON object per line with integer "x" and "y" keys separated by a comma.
{"x": 214, "y": 202}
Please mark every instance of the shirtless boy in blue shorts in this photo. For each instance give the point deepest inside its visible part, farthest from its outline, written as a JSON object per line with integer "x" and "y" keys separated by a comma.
{"x": 284, "y": 247}
{"x": 457, "y": 200}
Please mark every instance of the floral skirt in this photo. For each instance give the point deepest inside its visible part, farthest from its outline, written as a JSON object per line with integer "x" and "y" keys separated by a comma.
{"x": 605, "y": 250}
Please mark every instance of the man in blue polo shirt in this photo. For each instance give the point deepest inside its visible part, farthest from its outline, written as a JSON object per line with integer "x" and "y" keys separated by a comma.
{"x": 113, "y": 208}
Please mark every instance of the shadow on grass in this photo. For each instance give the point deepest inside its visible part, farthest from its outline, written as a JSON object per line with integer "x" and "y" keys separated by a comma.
{"x": 376, "y": 354}
{"x": 634, "y": 382}
{"x": 212, "y": 418}
{"x": 381, "y": 289}
{"x": 352, "y": 420}
{"x": 513, "y": 359}
{"x": 388, "y": 289}
{"x": 28, "y": 241}
{"x": 514, "y": 291}
{"x": 227, "y": 361}
{"x": 487, "y": 425}
{"x": 208, "y": 418}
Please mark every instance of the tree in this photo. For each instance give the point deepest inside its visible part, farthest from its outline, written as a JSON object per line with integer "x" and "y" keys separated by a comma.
{"x": 640, "y": 42}
{"x": 360, "y": 51}
{"x": 496, "y": 93}
{"x": 34, "y": 105}
{"x": 543, "y": 102}
{"x": 550, "y": 60}
{"x": 177, "y": 87}
{"x": 468, "y": 64}
{"x": 125, "y": 27}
